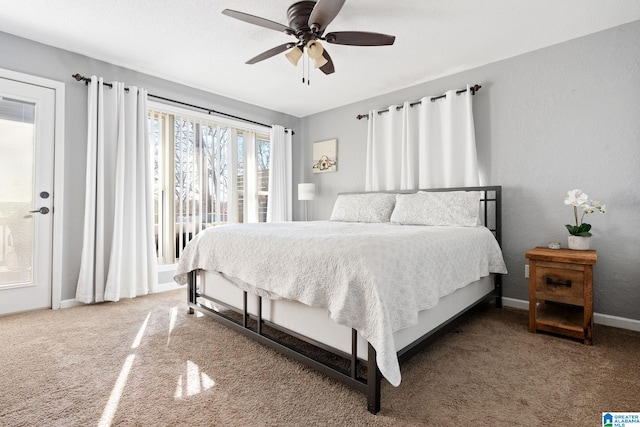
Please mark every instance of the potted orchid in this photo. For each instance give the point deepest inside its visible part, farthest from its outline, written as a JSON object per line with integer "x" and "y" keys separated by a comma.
{"x": 580, "y": 233}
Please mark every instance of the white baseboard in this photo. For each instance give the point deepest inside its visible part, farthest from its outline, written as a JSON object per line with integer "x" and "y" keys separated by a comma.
{"x": 599, "y": 318}
{"x": 69, "y": 303}
{"x": 616, "y": 322}
{"x": 163, "y": 287}
{"x": 515, "y": 303}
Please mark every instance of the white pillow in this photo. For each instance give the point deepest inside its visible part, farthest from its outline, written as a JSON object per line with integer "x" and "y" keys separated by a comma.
{"x": 458, "y": 208}
{"x": 366, "y": 207}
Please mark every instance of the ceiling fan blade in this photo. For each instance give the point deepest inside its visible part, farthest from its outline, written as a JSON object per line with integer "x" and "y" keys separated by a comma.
{"x": 256, "y": 20}
{"x": 327, "y": 68}
{"x": 360, "y": 38}
{"x": 271, "y": 52}
{"x": 323, "y": 13}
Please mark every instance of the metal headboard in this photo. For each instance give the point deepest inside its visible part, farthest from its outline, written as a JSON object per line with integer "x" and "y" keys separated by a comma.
{"x": 490, "y": 203}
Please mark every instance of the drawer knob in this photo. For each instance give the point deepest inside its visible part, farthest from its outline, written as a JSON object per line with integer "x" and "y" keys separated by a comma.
{"x": 566, "y": 283}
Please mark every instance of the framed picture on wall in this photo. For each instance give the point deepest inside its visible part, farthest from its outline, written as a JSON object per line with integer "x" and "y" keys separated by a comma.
{"x": 325, "y": 156}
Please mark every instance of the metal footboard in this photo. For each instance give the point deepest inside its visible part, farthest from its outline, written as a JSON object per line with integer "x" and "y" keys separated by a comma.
{"x": 370, "y": 385}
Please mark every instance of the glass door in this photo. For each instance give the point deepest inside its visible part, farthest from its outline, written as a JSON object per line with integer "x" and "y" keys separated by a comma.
{"x": 26, "y": 183}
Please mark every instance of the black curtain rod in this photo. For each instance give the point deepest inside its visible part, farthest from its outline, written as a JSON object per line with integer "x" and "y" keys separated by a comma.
{"x": 87, "y": 80}
{"x": 473, "y": 90}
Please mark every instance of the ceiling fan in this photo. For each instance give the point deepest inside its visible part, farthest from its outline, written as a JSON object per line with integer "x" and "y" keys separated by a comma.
{"x": 307, "y": 22}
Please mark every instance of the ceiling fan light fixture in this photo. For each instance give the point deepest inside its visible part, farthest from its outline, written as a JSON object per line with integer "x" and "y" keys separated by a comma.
{"x": 317, "y": 63}
{"x": 294, "y": 55}
{"x": 314, "y": 50}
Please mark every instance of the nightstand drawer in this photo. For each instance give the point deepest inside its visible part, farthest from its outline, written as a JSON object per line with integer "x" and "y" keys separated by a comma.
{"x": 560, "y": 284}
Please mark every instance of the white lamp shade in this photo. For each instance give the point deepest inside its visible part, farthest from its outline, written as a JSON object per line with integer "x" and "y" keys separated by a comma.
{"x": 294, "y": 55}
{"x": 314, "y": 50}
{"x": 306, "y": 191}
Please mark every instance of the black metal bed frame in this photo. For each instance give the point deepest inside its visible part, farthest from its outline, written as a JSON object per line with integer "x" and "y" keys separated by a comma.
{"x": 369, "y": 384}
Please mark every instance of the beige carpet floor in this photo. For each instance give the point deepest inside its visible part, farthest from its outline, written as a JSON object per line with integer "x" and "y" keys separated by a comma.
{"x": 146, "y": 362}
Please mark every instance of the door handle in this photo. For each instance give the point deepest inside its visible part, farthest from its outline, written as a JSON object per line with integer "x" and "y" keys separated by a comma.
{"x": 551, "y": 281}
{"x": 43, "y": 210}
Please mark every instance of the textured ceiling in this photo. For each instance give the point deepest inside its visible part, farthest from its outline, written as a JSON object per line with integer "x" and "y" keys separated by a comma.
{"x": 191, "y": 42}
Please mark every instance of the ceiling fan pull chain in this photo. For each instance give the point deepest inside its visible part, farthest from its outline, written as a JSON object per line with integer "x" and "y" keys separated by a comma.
{"x": 305, "y": 68}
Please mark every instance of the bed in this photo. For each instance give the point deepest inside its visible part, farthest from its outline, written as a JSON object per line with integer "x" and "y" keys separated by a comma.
{"x": 356, "y": 295}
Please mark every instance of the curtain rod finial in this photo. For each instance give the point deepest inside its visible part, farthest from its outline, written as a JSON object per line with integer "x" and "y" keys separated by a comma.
{"x": 81, "y": 78}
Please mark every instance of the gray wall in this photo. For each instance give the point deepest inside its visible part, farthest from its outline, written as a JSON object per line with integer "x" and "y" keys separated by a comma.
{"x": 563, "y": 117}
{"x": 21, "y": 55}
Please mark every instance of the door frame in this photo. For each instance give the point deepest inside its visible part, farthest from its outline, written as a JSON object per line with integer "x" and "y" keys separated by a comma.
{"x": 58, "y": 175}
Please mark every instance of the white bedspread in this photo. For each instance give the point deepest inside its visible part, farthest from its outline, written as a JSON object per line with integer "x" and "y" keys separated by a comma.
{"x": 371, "y": 277}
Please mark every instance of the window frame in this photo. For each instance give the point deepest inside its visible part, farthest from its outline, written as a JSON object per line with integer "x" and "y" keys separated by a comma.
{"x": 251, "y": 192}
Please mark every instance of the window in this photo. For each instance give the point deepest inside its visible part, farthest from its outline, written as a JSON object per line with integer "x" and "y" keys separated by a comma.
{"x": 207, "y": 172}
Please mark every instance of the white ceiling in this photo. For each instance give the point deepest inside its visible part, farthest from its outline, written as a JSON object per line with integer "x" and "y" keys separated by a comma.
{"x": 191, "y": 42}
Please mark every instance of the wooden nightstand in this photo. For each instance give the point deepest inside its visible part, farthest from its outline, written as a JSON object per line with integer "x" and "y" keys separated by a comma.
{"x": 561, "y": 292}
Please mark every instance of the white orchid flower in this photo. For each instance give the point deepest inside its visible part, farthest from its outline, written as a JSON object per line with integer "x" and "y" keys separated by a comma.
{"x": 596, "y": 205}
{"x": 576, "y": 197}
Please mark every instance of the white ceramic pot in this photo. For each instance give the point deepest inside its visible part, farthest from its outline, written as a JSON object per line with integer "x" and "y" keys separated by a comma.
{"x": 579, "y": 243}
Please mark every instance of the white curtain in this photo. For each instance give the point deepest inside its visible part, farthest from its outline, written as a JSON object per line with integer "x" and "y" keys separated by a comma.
{"x": 429, "y": 145}
{"x": 118, "y": 253}
{"x": 279, "y": 202}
